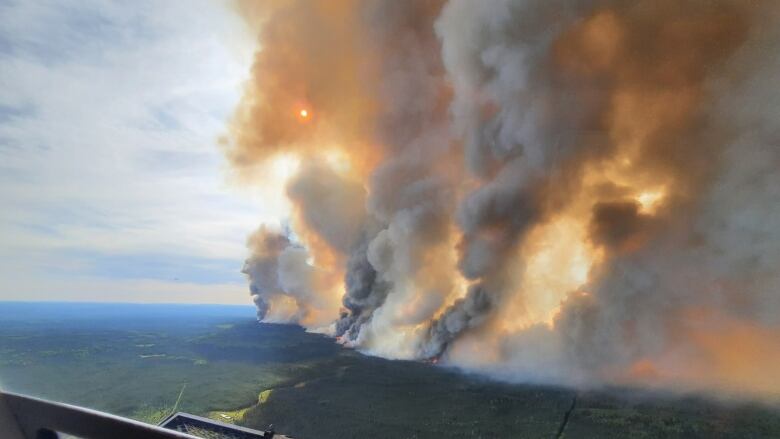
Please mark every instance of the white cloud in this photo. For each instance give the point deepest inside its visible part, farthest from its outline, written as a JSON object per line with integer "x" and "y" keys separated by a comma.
{"x": 109, "y": 115}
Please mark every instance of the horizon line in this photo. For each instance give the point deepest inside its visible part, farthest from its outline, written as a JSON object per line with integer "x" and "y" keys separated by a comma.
{"x": 88, "y": 302}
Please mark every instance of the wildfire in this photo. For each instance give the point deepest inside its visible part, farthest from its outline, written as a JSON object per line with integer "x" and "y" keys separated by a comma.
{"x": 546, "y": 222}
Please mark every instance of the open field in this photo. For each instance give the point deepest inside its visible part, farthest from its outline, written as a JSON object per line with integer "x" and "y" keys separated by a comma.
{"x": 138, "y": 361}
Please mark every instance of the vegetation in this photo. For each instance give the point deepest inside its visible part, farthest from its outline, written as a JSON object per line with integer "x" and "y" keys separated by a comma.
{"x": 619, "y": 413}
{"x": 218, "y": 362}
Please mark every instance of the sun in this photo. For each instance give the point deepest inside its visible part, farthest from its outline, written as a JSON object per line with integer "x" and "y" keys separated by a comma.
{"x": 304, "y": 113}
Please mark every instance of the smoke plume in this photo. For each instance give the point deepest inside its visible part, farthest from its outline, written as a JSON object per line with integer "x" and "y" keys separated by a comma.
{"x": 577, "y": 192}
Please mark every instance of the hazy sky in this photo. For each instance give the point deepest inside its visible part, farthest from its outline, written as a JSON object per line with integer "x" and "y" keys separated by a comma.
{"x": 112, "y": 186}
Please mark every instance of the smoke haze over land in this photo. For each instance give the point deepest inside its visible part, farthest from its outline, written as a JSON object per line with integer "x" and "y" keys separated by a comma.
{"x": 579, "y": 192}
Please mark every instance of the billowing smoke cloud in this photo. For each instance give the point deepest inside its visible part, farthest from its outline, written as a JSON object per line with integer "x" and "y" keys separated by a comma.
{"x": 575, "y": 192}
{"x": 284, "y": 286}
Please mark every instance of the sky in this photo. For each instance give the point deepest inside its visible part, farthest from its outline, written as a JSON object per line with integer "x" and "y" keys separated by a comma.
{"x": 112, "y": 183}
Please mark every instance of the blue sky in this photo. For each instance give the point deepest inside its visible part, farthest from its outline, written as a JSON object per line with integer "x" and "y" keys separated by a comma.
{"x": 112, "y": 186}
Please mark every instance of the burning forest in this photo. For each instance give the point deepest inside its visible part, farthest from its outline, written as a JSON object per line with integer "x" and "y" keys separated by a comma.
{"x": 573, "y": 192}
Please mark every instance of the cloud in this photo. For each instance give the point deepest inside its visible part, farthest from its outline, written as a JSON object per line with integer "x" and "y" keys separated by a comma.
{"x": 109, "y": 119}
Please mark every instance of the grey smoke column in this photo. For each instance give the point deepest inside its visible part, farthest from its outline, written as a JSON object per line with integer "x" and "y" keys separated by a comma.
{"x": 409, "y": 201}
{"x": 262, "y": 267}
